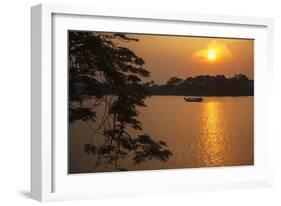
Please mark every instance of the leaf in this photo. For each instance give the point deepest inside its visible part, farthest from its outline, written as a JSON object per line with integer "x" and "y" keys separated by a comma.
{"x": 83, "y": 114}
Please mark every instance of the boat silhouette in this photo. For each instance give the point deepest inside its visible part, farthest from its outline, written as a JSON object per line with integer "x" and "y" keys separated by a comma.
{"x": 193, "y": 99}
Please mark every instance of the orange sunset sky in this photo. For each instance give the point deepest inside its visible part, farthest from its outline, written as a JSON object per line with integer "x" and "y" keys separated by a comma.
{"x": 184, "y": 56}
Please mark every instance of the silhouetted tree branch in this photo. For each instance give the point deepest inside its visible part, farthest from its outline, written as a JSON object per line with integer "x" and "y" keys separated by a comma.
{"x": 111, "y": 76}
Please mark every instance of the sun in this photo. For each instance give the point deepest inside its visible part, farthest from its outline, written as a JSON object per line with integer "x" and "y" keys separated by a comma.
{"x": 212, "y": 54}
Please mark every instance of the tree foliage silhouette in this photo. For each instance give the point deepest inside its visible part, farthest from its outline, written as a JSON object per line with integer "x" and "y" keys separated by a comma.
{"x": 109, "y": 74}
{"x": 205, "y": 85}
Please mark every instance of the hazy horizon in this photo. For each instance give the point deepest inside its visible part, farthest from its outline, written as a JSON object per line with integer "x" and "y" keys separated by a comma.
{"x": 186, "y": 56}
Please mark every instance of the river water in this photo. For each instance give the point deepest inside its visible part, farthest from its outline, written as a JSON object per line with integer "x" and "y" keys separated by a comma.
{"x": 216, "y": 132}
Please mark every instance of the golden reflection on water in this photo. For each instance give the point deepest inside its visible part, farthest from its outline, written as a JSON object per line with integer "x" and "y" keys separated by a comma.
{"x": 212, "y": 142}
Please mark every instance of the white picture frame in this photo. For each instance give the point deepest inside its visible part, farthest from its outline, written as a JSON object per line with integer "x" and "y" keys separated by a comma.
{"x": 49, "y": 178}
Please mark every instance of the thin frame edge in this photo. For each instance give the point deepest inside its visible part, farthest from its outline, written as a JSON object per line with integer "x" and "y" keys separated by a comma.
{"x": 36, "y": 118}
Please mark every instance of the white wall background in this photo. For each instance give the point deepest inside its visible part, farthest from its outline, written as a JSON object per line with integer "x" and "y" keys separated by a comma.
{"x": 15, "y": 101}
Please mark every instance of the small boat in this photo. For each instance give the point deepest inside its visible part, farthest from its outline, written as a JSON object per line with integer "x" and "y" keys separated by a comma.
{"x": 193, "y": 99}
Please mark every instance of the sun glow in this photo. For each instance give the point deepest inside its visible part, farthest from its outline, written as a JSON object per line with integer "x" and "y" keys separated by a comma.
{"x": 212, "y": 54}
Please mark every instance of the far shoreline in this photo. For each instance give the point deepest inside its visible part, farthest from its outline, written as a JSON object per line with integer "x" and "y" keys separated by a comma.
{"x": 189, "y": 95}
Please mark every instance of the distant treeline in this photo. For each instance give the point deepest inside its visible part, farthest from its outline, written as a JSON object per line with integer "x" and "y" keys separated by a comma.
{"x": 204, "y": 85}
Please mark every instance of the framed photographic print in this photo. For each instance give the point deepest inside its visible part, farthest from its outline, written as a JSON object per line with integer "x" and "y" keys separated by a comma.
{"x": 137, "y": 102}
